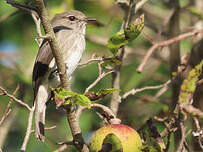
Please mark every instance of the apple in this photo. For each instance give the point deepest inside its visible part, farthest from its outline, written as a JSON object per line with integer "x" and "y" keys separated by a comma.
{"x": 115, "y": 137}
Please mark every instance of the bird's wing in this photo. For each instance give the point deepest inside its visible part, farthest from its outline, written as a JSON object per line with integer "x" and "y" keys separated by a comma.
{"x": 43, "y": 59}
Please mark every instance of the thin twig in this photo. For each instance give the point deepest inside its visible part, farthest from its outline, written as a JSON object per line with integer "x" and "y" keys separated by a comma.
{"x": 198, "y": 133}
{"x": 105, "y": 109}
{"x": 38, "y": 28}
{"x": 134, "y": 91}
{"x": 47, "y": 128}
{"x": 5, "y": 115}
{"x": 8, "y": 110}
{"x": 63, "y": 147}
{"x": 100, "y": 77}
{"x": 93, "y": 59}
{"x": 168, "y": 142}
{"x": 183, "y": 136}
{"x": 166, "y": 43}
{"x": 115, "y": 98}
{"x": 5, "y": 93}
{"x": 29, "y": 130}
{"x": 191, "y": 110}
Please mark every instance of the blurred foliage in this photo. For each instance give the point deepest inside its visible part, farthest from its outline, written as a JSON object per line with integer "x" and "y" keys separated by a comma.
{"x": 18, "y": 50}
{"x": 189, "y": 84}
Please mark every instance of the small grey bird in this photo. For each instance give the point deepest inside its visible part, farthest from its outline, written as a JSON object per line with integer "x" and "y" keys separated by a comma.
{"x": 69, "y": 28}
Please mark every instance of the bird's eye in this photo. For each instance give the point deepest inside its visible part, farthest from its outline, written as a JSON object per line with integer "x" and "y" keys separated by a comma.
{"x": 72, "y": 18}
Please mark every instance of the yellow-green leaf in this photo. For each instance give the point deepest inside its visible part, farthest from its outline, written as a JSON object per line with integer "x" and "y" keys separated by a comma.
{"x": 125, "y": 36}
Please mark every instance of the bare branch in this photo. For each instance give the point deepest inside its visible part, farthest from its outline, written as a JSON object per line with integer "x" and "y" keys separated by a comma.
{"x": 198, "y": 133}
{"x": 8, "y": 110}
{"x": 191, "y": 110}
{"x": 134, "y": 91}
{"x": 5, "y": 115}
{"x": 183, "y": 136}
{"x": 93, "y": 59}
{"x": 100, "y": 77}
{"x": 5, "y": 93}
{"x": 166, "y": 43}
{"x": 64, "y": 146}
{"x": 47, "y": 128}
{"x": 43, "y": 14}
{"x": 105, "y": 109}
{"x": 29, "y": 130}
{"x": 38, "y": 28}
{"x": 116, "y": 99}
{"x": 57, "y": 53}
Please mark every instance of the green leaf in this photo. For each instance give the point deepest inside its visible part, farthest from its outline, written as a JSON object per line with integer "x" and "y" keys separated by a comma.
{"x": 125, "y": 36}
{"x": 83, "y": 100}
{"x": 71, "y": 97}
{"x": 107, "y": 91}
{"x": 134, "y": 30}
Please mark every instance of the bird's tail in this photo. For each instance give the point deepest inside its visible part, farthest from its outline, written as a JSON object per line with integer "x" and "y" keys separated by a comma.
{"x": 40, "y": 111}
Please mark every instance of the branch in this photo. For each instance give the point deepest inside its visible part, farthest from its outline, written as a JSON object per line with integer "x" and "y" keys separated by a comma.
{"x": 116, "y": 99}
{"x": 8, "y": 110}
{"x": 74, "y": 125}
{"x": 183, "y": 136}
{"x": 29, "y": 130}
{"x": 38, "y": 28}
{"x": 93, "y": 59}
{"x": 5, "y": 93}
{"x": 99, "y": 78}
{"x": 166, "y": 43}
{"x": 191, "y": 110}
{"x": 64, "y": 146}
{"x": 47, "y": 128}
{"x": 43, "y": 14}
{"x": 108, "y": 113}
{"x": 198, "y": 133}
{"x": 134, "y": 91}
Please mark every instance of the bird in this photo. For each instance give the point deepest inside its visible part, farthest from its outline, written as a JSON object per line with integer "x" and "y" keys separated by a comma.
{"x": 69, "y": 28}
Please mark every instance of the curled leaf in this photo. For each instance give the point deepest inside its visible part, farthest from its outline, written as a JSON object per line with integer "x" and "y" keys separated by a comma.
{"x": 125, "y": 36}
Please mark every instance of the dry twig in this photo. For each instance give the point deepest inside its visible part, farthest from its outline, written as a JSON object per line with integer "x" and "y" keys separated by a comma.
{"x": 8, "y": 110}
{"x": 183, "y": 136}
{"x": 93, "y": 59}
{"x": 5, "y": 93}
{"x": 29, "y": 129}
{"x": 105, "y": 109}
{"x": 191, "y": 110}
{"x": 47, "y": 128}
{"x": 134, "y": 91}
{"x": 99, "y": 78}
{"x": 166, "y": 43}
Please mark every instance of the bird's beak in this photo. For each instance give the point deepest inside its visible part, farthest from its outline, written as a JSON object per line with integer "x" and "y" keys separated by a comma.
{"x": 88, "y": 19}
